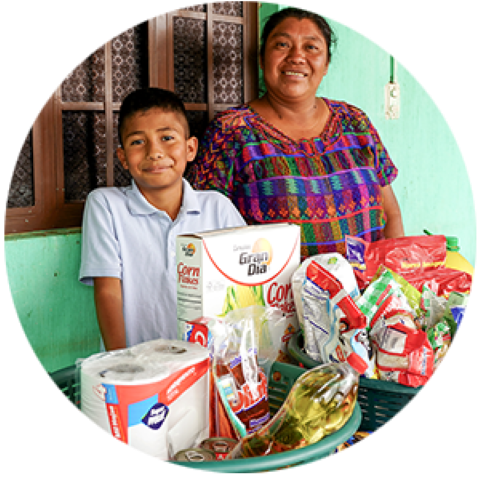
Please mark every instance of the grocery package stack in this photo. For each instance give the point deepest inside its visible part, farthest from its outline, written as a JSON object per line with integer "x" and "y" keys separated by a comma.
{"x": 204, "y": 397}
{"x": 387, "y": 310}
{"x": 413, "y": 304}
{"x": 413, "y": 301}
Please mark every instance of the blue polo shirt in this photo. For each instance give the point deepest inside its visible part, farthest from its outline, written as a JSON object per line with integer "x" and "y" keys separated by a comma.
{"x": 124, "y": 236}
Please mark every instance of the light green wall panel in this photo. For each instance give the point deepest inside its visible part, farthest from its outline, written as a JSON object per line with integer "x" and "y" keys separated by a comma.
{"x": 56, "y": 311}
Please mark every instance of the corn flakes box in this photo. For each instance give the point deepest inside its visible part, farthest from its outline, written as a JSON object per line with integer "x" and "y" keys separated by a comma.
{"x": 223, "y": 270}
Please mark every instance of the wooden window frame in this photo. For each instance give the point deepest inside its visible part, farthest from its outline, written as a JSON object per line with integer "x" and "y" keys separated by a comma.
{"x": 50, "y": 210}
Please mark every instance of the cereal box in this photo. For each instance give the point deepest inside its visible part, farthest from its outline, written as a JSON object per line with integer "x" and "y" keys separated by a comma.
{"x": 223, "y": 270}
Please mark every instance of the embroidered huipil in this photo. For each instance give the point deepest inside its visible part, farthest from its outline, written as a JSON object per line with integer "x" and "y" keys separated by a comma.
{"x": 330, "y": 184}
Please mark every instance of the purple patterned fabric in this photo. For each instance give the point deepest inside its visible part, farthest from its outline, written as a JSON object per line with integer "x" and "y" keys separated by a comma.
{"x": 330, "y": 184}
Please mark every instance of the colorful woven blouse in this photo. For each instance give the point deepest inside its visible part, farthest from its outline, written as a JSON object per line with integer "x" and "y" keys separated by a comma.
{"x": 330, "y": 184}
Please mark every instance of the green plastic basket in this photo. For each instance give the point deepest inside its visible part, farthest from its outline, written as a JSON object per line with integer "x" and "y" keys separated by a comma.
{"x": 379, "y": 400}
{"x": 67, "y": 381}
{"x": 282, "y": 378}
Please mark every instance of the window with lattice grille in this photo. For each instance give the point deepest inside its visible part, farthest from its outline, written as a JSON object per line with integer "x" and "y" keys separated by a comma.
{"x": 206, "y": 53}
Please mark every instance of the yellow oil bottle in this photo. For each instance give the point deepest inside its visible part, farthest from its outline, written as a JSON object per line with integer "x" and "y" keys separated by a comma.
{"x": 320, "y": 402}
{"x": 455, "y": 260}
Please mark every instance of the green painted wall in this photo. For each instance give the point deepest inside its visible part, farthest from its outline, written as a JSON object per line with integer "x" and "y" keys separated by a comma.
{"x": 432, "y": 187}
{"x": 58, "y": 313}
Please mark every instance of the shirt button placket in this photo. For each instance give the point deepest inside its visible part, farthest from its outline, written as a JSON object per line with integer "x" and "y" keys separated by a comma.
{"x": 171, "y": 245}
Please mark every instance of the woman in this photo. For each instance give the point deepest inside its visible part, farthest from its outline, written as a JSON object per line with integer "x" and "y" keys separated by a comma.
{"x": 291, "y": 156}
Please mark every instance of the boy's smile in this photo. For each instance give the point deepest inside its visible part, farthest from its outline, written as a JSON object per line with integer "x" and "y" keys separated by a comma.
{"x": 156, "y": 151}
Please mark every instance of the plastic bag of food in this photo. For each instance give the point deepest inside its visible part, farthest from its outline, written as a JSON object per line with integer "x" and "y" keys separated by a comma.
{"x": 412, "y": 295}
{"x": 240, "y": 380}
{"x": 403, "y": 255}
{"x": 451, "y": 314}
{"x": 334, "y": 326}
{"x": 443, "y": 281}
{"x": 337, "y": 266}
{"x": 272, "y": 331}
{"x": 382, "y": 294}
{"x": 403, "y": 352}
{"x": 440, "y": 338}
{"x": 433, "y": 306}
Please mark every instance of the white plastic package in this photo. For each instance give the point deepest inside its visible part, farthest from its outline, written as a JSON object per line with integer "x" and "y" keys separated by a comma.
{"x": 153, "y": 396}
{"x": 333, "y": 326}
{"x": 337, "y": 266}
{"x": 243, "y": 351}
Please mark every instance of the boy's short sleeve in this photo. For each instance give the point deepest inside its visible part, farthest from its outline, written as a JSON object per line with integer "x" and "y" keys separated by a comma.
{"x": 232, "y": 217}
{"x": 100, "y": 252}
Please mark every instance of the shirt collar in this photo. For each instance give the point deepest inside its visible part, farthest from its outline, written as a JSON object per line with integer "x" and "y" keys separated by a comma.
{"x": 190, "y": 203}
{"x": 138, "y": 204}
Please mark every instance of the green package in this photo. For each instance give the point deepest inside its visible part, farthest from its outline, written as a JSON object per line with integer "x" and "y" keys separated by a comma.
{"x": 377, "y": 292}
{"x": 455, "y": 299}
{"x": 433, "y": 306}
{"x": 438, "y": 334}
{"x": 411, "y": 293}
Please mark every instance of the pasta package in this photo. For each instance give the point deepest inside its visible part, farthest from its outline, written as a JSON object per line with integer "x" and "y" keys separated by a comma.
{"x": 240, "y": 381}
{"x": 242, "y": 345}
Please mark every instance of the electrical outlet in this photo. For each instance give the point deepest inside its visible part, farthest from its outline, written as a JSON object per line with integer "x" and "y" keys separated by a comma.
{"x": 392, "y": 100}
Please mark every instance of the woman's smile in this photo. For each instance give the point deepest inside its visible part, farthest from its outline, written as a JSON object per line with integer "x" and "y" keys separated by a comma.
{"x": 292, "y": 73}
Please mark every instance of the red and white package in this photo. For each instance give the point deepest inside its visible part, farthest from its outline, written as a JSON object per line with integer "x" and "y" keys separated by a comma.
{"x": 197, "y": 331}
{"x": 442, "y": 281}
{"x": 352, "y": 317}
{"x": 240, "y": 381}
{"x": 403, "y": 352}
{"x": 407, "y": 256}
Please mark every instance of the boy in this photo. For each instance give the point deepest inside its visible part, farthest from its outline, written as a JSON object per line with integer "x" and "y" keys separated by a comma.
{"x": 128, "y": 233}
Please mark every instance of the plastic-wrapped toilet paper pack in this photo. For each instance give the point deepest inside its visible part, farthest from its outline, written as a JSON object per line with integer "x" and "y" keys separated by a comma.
{"x": 153, "y": 396}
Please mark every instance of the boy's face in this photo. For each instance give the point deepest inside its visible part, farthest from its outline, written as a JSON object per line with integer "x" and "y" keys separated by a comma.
{"x": 155, "y": 150}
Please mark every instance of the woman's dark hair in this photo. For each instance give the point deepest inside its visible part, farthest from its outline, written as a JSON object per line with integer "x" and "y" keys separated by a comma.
{"x": 278, "y": 17}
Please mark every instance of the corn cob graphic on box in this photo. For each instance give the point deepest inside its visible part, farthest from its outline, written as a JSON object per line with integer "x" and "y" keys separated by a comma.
{"x": 224, "y": 270}
{"x": 242, "y": 296}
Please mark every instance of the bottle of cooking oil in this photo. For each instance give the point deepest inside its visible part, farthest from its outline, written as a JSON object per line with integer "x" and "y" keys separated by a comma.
{"x": 454, "y": 258}
{"x": 320, "y": 402}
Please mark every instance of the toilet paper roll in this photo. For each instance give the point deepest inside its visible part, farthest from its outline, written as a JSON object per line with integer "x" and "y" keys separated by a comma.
{"x": 141, "y": 393}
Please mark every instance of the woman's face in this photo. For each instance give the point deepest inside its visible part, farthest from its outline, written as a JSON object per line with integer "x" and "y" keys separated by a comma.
{"x": 295, "y": 61}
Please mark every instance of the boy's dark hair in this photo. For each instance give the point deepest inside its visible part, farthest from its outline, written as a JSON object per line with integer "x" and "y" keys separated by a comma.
{"x": 144, "y": 99}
